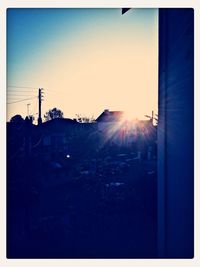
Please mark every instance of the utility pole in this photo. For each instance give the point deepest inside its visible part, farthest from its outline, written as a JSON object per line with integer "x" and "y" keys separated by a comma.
{"x": 40, "y": 105}
{"x": 28, "y": 109}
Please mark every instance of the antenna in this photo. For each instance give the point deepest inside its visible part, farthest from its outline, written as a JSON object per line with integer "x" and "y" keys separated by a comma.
{"x": 28, "y": 109}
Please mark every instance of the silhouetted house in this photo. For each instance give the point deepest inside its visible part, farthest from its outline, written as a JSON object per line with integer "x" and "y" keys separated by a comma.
{"x": 110, "y": 116}
{"x": 115, "y": 122}
{"x": 55, "y": 136}
{"x": 60, "y": 138}
{"x": 135, "y": 135}
{"x": 63, "y": 137}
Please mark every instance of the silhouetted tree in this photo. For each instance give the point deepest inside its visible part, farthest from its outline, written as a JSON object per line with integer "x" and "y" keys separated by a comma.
{"x": 17, "y": 120}
{"x": 53, "y": 114}
{"x": 84, "y": 119}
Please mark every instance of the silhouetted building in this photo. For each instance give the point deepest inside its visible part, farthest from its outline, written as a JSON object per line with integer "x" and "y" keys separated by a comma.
{"x": 116, "y": 128}
{"x": 110, "y": 116}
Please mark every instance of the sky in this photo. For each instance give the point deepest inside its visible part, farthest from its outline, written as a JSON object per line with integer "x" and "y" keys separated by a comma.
{"x": 87, "y": 60}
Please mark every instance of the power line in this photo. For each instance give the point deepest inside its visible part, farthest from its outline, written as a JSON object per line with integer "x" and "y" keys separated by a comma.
{"x": 14, "y": 95}
{"x": 15, "y": 100}
{"x": 19, "y": 93}
{"x": 22, "y": 100}
{"x": 21, "y": 86}
{"x": 21, "y": 90}
{"x": 19, "y": 97}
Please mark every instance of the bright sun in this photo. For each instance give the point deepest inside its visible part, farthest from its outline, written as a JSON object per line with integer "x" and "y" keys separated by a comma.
{"x": 128, "y": 115}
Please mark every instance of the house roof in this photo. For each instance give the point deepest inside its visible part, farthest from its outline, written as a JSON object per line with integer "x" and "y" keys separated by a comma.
{"x": 59, "y": 121}
{"x": 110, "y": 116}
{"x": 56, "y": 125}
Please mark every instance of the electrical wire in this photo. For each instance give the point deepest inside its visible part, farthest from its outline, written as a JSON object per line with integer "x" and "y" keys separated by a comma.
{"x": 14, "y": 86}
{"x": 19, "y": 96}
{"x": 20, "y": 91}
{"x": 22, "y": 100}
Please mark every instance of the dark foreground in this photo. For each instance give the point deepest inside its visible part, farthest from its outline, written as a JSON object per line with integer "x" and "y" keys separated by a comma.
{"x": 100, "y": 208}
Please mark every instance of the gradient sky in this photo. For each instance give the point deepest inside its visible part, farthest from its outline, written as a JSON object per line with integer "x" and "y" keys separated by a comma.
{"x": 87, "y": 60}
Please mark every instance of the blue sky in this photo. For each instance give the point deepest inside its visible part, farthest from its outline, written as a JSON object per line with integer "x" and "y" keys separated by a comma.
{"x": 85, "y": 59}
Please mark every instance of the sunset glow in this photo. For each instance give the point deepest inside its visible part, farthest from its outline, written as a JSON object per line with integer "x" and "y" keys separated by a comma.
{"x": 86, "y": 60}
